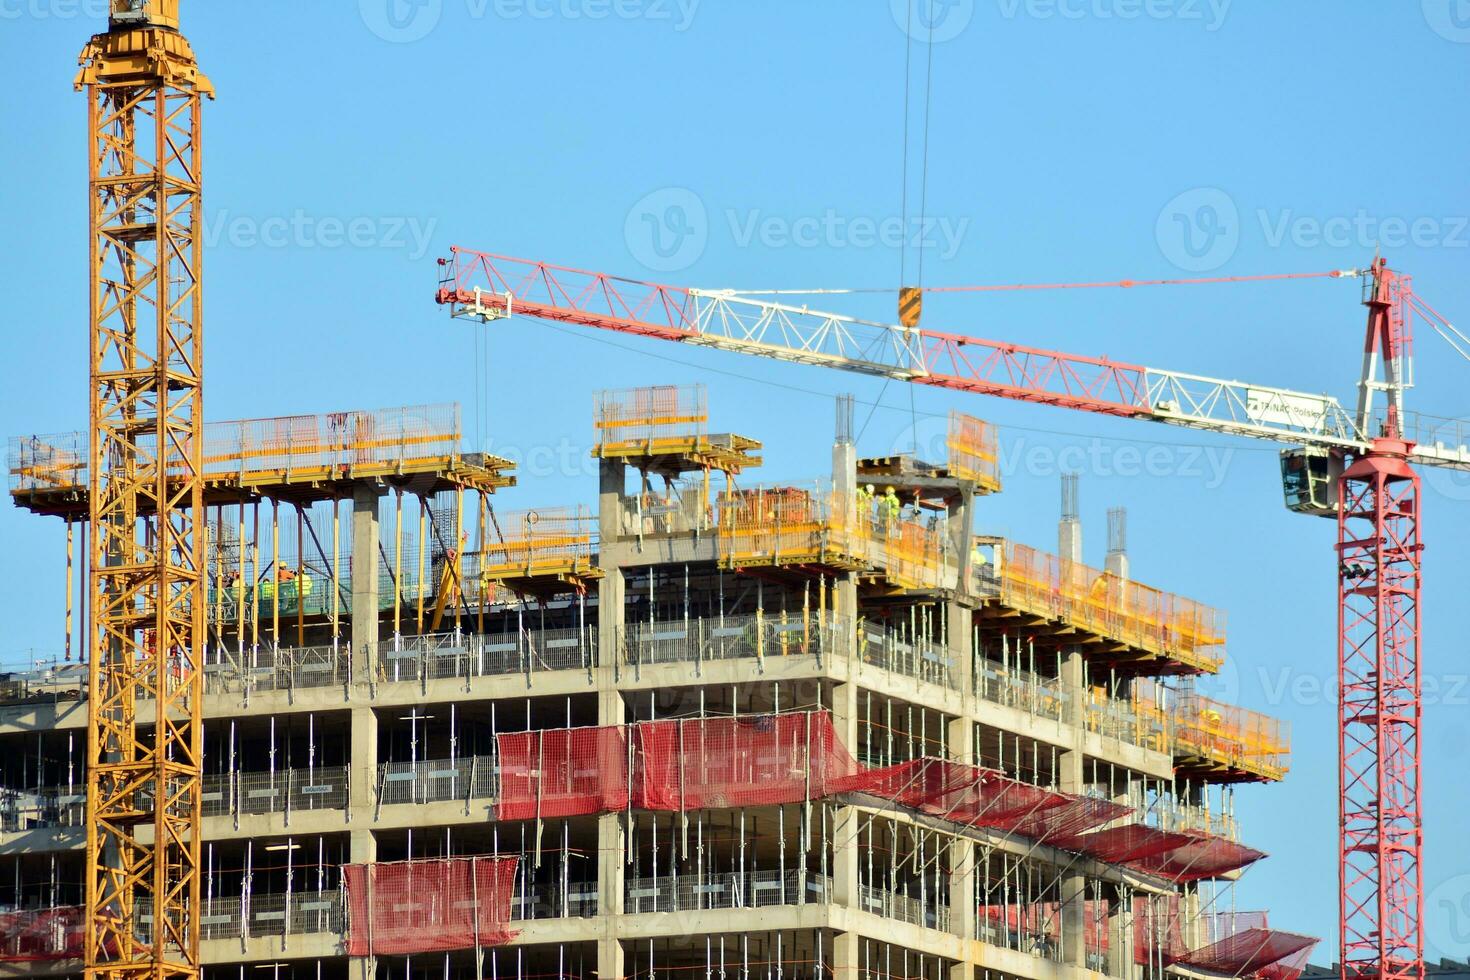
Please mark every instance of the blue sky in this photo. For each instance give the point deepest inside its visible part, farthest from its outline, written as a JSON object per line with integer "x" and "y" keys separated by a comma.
{"x": 758, "y": 144}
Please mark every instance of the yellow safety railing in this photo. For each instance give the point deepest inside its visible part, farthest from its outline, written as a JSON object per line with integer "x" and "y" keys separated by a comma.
{"x": 650, "y": 416}
{"x": 543, "y": 541}
{"x": 793, "y": 525}
{"x": 256, "y": 449}
{"x": 1127, "y": 611}
{"x": 1222, "y": 734}
{"x": 973, "y": 453}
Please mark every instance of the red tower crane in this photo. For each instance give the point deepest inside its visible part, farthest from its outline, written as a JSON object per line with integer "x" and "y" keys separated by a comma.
{"x": 1355, "y": 466}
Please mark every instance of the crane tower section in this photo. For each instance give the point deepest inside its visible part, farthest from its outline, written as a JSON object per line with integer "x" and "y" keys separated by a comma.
{"x": 144, "y": 93}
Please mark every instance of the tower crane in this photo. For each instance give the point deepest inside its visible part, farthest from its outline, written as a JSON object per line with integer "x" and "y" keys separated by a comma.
{"x": 1356, "y": 466}
{"x": 146, "y": 558}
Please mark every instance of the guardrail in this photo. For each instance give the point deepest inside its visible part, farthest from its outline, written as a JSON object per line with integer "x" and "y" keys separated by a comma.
{"x": 726, "y": 890}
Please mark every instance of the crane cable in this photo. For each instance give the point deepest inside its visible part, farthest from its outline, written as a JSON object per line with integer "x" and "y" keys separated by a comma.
{"x": 1025, "y": 286}
{"x": 911, "y": 297}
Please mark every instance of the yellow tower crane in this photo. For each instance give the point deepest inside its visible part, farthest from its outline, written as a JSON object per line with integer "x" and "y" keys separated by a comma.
{"x": 146, "y": 562}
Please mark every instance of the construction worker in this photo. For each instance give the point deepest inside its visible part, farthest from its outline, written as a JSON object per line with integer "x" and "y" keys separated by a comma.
{"x": 303, "y": 585}
{"x": 865, "y": 500}
{"x": 286, "y": 582}
{"x": 889, "y": 507}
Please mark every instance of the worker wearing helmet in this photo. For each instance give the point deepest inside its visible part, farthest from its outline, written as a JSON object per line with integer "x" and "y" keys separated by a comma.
{"x": 888, "y": 508}
{"x": 865, "y": 501}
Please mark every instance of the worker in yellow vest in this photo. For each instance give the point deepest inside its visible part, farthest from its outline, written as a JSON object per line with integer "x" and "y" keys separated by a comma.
{"x": 889, "y": 507}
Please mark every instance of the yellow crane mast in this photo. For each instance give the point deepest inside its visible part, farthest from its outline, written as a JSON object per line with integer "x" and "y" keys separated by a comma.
{"x": 146, "y": 561}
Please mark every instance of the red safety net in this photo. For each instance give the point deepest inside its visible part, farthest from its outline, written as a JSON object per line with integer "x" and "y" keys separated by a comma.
{"x": 42, "y": 934}
{"x": 1158, "y": 929}
{"x": 1129, "y": 843}
{"x": 1061, "y": 825}
{"x": 755, "y": 760}
{"x": 974, "y": 797}
{"x": 562, "y": 772}
{"x": 1247, "y": 950}
{"x": 1290, "y": 967}
{"x": 428, "y": 906}
{"x": 1043, "y": 920}
{"x": 1199, "y": 856}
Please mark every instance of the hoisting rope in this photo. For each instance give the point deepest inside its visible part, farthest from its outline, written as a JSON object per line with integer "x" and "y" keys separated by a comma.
{"x": 1017, "y": 287}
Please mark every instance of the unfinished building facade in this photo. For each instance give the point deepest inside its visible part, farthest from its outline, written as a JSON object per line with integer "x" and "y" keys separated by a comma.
{"x": 711, "y": 729}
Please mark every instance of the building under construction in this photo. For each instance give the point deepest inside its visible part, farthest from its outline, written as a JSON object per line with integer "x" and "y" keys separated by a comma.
{"x": 711, "y": 727}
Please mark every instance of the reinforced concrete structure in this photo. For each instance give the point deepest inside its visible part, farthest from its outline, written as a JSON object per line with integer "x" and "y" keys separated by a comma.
{"x": 713, "y": 728}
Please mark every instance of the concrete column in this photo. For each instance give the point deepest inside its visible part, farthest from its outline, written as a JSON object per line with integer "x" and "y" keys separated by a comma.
{"x": 1120, "y": 941}
{"x": 962, "y": 534}
{"x": 609, "y": 958}
{"x": 845, "y": 885}
{"x": 962, "y": 904}
{"x": 610, "y": 847}
{"x": 611, "y": 599}
{"x": 364, "y": 566}
{"x": 363, "y": 775}
{"x": 845, "y": 714}
{"x": 844, "y": 471}
{"x": 845, "y": 608}
{"x": 611, "y": 588}
{"x": 960, "y": 630}
{"x": 612, "y": 476}
{"x": 847, "y": 956}
{"x": 1071, "y": 779}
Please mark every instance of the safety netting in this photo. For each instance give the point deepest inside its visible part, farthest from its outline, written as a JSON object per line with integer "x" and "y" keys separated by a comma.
{"x": 961, "y": 793}
{"x": 1043, "y": 921}
{"x": 753, "y": 760}
{"x": 1237, "y": 944}
{"x": 769, "y": 759}
{"x": 1062, "y": 825}
{"x": 428, "y": 906}
{"x": 1131, "y": 844}
{"x": 1200, "y": 856}
{"x": 562, "y": 772}
{"x": 42, "y": 934}
{"x": 1158, "y": 929}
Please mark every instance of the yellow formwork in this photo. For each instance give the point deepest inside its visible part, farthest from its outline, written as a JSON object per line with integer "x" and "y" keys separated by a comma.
{"x": 650, "y": 415}
{"x": 291, "y": 451}
{"x": 1128, "y": 612}
{"x": 1215, "y": 738}
{"x": 795, "y": 526}
{"x": 973, "y": 452}
{"x": 550, "y": 544}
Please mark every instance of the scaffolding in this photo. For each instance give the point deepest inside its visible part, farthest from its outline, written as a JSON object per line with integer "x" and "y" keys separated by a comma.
{"x": 666, "y": 428}
{"x": 531, "y": 548}
{"x": 795, "y": 526}
{"x": 973, "y": 452}
{"x": 1210, "y": 737}
{"x": 1187, "y": 633}
{"x": 295, "y": 457}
